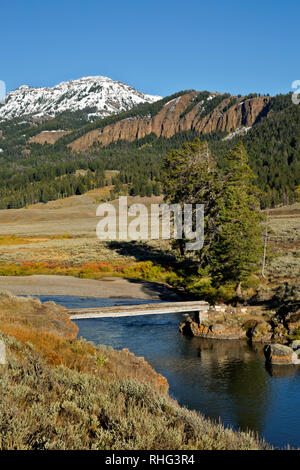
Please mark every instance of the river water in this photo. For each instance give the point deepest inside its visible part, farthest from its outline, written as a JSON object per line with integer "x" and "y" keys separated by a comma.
{"x": 226, "y": 379}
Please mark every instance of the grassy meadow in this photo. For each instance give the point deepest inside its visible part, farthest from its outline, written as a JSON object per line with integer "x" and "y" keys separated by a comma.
{"x": 59, "y": 238}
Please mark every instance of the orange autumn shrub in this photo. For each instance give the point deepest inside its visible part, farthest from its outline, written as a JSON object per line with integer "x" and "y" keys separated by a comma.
{"x": 75, "y": 354}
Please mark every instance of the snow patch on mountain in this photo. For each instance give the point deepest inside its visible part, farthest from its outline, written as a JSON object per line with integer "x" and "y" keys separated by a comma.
{"x": 102, "y": 94}
{"x": 238, "y": 131}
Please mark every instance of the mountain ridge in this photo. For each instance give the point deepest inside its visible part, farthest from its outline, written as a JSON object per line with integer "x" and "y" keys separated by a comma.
{"x": 101, "y": 95}
{"x": 39, "y": 161}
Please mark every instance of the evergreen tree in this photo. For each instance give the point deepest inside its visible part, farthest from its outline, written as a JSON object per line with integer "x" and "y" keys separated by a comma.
{"x": 232, "y": 240}
{"x": 238, "y": 246}
{"x": 191, "y": 177}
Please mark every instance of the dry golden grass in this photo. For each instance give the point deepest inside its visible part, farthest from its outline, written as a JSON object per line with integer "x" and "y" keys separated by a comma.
{"x": 284, "y": 244}
{"x": 32, "y": 314}
{"x": 49, "y": 330}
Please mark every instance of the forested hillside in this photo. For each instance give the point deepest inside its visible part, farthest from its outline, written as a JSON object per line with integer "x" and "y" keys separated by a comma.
{"x": 33, "y": 172}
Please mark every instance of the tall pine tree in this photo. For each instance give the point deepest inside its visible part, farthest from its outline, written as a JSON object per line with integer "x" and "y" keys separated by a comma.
{"x": 191, "y": 177}
{"x": 238, "y": 247}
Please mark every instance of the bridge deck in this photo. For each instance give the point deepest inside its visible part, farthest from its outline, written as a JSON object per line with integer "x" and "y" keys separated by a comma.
{"x": 134, "y": 310}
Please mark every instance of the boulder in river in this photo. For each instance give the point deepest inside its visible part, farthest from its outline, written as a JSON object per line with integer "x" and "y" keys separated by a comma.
{"x": 279, "y": 354}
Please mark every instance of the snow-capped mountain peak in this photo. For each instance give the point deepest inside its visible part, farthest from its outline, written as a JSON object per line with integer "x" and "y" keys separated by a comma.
{"x": 103, "y": 94}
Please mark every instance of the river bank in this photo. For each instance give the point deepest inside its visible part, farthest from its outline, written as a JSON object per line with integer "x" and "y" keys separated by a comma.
{"x": 106, "y": 287}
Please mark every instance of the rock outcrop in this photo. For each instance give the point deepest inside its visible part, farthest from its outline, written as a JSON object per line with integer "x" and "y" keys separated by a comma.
{"x": 219, "y": 322}
{"x": 228, "y": 322}
{"x": 176, "y": 116}
{"x": 49, "y": 137}
{"x": 214, "y": 331}
{"x": 256, "y": 322}
{"x": 288, "y": 313}
{"x": 262, "y": 332}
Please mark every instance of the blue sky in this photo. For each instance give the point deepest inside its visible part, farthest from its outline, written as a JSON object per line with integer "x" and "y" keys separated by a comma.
{"x": 158, "y": 47}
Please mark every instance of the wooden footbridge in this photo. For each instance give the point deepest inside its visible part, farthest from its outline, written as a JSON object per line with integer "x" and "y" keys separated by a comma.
{"x": 141, "y": 309}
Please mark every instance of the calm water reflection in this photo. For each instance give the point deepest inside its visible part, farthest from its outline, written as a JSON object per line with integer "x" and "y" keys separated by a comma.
{"x": 226, "y": 379}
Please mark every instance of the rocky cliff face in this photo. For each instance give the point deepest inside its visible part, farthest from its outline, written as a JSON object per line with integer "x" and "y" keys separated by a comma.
{"x": 181, "y": 114}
